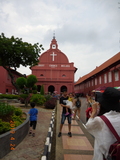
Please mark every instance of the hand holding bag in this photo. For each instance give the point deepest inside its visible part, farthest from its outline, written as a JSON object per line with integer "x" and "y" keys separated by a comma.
{"x": 114, "y": 150}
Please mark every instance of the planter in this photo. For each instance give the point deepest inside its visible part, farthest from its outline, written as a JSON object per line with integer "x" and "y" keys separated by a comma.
{"x": 8, "y": 141}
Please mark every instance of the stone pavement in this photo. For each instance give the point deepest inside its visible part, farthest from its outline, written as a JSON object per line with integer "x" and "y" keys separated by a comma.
{"x": 77, "y": 147}
{"x": 31, "y": 148}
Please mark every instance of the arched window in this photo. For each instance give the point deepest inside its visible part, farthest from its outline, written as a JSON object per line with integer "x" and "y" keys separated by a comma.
{"x": 51, "y": 89}
{"x": 63, "y": 88}
{"x": 63, "y": 75}
{"x": 38, "y": 88}
{"x": 41, "y": 75}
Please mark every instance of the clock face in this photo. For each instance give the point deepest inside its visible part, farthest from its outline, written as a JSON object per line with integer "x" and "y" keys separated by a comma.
{"x": 53, "y": 46}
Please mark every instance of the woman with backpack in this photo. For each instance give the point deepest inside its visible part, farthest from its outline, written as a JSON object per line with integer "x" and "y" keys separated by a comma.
{"x": 97, "y": 125}
{"x": 77, "y": 103}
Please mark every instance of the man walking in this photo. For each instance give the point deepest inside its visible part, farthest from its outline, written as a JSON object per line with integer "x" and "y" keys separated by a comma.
{"x": 62, "y": 102}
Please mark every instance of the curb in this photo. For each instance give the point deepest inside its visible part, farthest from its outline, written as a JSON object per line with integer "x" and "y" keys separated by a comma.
{"x": 48, "y": 143}
{"x": 12, "y": 138}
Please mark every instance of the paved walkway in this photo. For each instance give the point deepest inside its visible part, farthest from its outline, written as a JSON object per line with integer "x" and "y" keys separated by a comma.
{"x": 31, "y": 148}
{"x": 77, "y": 147}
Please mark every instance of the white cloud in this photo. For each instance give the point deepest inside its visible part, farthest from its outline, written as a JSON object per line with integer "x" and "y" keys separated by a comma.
{"x": 87, "y": 31}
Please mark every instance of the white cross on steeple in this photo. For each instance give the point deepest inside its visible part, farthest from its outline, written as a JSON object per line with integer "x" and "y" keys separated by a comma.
{"x": 53, "y": 56}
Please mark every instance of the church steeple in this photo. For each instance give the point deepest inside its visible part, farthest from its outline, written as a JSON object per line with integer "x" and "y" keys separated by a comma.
{"x": 54, "y": 44}
{"x": 54, "y": 35}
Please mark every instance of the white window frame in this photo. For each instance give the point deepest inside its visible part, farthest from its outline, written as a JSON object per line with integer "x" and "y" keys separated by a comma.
{"x": 116, "y": 75}
{"x": 100, "y": 80}
{"x": 63, "y": 75}
{"x": 95, "y": 81}
{"x": 92, "y": 82}
{"x": 89, "y": 83}
{"x": 105, "y": 78}
{"x": 109, "y": 76}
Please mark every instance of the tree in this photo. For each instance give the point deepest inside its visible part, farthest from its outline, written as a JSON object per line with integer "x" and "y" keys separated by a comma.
{"x": 25, "y": 84}
{"x": 42, "y": 90}
{"x": 31, "y": 80}
{"x": 14, "y": 52}
{"x": 21, "y": 82}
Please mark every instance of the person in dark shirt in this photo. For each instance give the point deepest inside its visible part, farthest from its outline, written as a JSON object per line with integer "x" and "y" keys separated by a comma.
{"x": 62, "y": 102}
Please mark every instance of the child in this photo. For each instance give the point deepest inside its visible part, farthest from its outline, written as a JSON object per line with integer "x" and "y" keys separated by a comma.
{"x": 33, "y": 119}
{"x": 69, "y": 104}
{"x": 89, "y": 109}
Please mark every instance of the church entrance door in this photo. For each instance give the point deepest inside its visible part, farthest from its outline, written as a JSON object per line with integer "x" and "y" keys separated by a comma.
{"x": 38, "y": 88}
{"x": 63, "y": 88}
{"x": 51, "y": 89}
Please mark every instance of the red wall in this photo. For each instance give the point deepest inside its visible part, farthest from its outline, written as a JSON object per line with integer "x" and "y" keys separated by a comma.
{"x": 5, "y": 82}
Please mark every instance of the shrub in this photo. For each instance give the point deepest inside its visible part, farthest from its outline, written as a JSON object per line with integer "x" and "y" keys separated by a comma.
{"x": 18, "y": 112}
{"x": 34, "y": 91}
{"x": 9, "y": 96}
{"x": 34, "y": 87}
{"x": 38, "y": 99}
{"x": 48, "y": 97}
{"x": 4, "y": 126}
{"x": 42, "y": 90}
{"x": 30, "y": 91}
{"x": 17, "y": 120}
{"x": 24, "y": 97}
{"x": 17, "y": 123}
{"x": 50, "y": 104}
{"x": 6, "y": 111}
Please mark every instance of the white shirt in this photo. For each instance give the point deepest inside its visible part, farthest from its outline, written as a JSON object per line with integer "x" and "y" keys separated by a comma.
{"x": 103, "y": 136}
{"x": 69, "y": 103}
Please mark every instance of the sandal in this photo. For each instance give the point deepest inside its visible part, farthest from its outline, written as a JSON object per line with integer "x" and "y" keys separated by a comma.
{"x": 30, "y": 132}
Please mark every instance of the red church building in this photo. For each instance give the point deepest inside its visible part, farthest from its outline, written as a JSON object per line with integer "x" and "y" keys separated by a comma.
{"x": 54, "y": 70}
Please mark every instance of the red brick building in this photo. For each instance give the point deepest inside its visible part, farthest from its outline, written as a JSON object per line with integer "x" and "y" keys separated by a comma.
{"x": 5, "y": 81}
{"x": 107, "y": 74}
{"x": 54, "y": 70}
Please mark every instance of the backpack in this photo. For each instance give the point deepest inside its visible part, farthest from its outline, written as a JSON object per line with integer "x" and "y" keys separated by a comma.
{"x": 114, "y": 150}
{"x": 78, "y": 103}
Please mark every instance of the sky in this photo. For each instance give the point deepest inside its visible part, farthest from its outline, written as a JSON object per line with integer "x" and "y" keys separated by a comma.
{"x": 87, "y": 31}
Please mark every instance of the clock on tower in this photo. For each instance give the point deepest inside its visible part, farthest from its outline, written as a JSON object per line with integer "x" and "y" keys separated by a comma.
{"x": 53, "y": 46}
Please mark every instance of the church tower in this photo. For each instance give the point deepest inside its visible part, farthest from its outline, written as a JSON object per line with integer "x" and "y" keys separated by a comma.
{"x": 54, "y": 70}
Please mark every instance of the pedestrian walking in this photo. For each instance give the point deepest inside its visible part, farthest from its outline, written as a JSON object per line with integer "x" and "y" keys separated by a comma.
{"x": 33, "y": 112}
